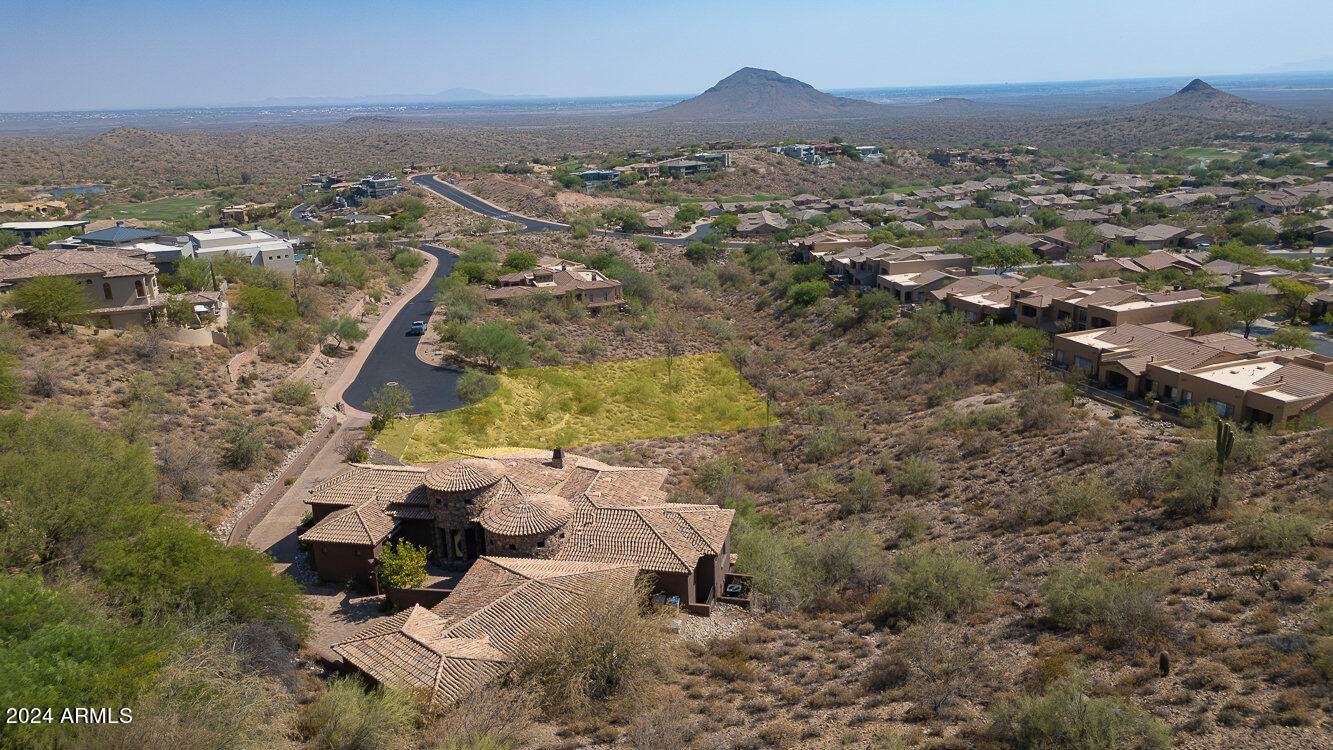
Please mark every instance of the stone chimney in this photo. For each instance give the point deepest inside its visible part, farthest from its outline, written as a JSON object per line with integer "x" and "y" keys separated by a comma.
{"x": 558, "y": 458}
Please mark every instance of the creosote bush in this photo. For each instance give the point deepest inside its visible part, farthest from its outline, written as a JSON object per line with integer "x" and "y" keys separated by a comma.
{"x": 1119, "y": 609}
{"x": 605, "y": 651}
{"x": 292, "y": 392}
{"x": 931, "y": 580}
{"x": 1266, "y": 530}
{"x": 1065, "y": 717}
{"x": 915, "y": 475}
{"x": 347, "y": 716}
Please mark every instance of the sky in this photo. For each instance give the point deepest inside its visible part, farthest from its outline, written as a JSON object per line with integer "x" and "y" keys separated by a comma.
{"x": 128, "y": 54}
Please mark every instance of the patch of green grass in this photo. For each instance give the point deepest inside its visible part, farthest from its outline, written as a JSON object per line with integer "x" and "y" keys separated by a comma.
{"x": 162, "y": 209}
{"x": 1207, "y": 153}
{"x": 586, "y": 404}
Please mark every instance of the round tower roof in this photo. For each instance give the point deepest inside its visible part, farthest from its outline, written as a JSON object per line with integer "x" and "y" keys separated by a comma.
{"x": 526, "y": 515}
{"x": 466, "y": 475}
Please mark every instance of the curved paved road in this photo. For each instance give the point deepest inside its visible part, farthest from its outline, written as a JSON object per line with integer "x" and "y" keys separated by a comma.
{"x": 473, "y": 203}
{"x": 394, "y": 358}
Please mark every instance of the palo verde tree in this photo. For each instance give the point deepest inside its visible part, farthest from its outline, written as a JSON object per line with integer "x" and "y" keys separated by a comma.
{"x": 493, "y": 343}
{"x": 1005, "y": 257}
{"x": 47, "y": 300}
{"x": 1249, "y": 307}
{"x": 402, "y": 566}
{"x": 386, "y": 403}
{"x": 344, "y": 328}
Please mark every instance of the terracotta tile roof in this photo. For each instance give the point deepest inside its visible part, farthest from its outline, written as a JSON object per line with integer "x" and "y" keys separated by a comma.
{"x": 504, "y": 599}
{"x": 105, "y": 263}
{"x": 666, "y": 538}
{"x": 401, "y": 484}
{"x": 413, "y": 650}
{"x": 465, "y": 475}
{"x": 526, "y": 515}
{"x": 366, "y": 523}
{"x": 1298, "y": 381}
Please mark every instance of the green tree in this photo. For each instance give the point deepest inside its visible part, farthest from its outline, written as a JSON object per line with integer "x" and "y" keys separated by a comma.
{"x": 807, "y": 293}
{"x": 343, "y": 328}
{"x": 402, "y": 565}
{"x": 627, "y": 219}
{"x": 519, "y": 261}
{"x": 8, "y": 239}
{"x": 51, "y": 299}
{"x": 1005, "y": 257}
{"x": 1249, "y": 307}
{"x": 268, "y": 306}
{"x": 726, "y": 223}
{"x": 386, "y": 403}
{"x": 1290, "y": 337}
{"x": 1292, "y": 296}
{"x": 494, "y": 343}
{"x": 1081, "y": 233}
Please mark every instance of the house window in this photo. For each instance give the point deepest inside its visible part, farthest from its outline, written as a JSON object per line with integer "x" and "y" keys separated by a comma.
{"x": 1082, "y": 364}
{"x": 1224, "y": 410}
{"x": 138, "y": 288}
{"x": 1186, "y": 397}
{"x": 106, "y": 290}
{"x": 1059, "y": 355}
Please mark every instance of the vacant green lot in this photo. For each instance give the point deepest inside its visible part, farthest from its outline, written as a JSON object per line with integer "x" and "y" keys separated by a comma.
{"x": 1208, "y": 153}
{"x": 605, "y": 402}
{"x": 161, "y": 209}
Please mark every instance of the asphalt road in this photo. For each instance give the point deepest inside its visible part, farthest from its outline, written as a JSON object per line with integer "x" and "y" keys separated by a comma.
{"x": 472, "y": 203}
{"x": 394, "y": 358}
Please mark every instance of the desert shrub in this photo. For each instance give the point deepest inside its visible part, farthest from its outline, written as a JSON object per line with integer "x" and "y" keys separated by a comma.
{"x": 852, "y": 557}
{"x": 186, "y": 466}
{"x": 1191, "y": 479}
{"x": 862, "y": 493}
{"x": 497, "y": 718}
{"x": 1041, "y": 408}
{"x": 45, "y": 383}
{"x": 1268, "y": 530}
{"x": 915, "y": 475}
{"x": 719, "y": 477}
{"x": 242, "y": 443}
{"x": 1120, "y": 608}
{"x": 1197, "y": 414}
{"x": 386, "y": 403}
{"x": 824, "y": 443}
{"x": 475, "y": 385}
{"x": 353, "y": 450}
{"x": 937, "y": 358}
{"x": 292, "y": 392}
{"x": 604, "y": 651}
{"x": 1065, "y": 717}
{"x": 807, "y": 293}
{"x": 1323, "y": 616}
{"x": 995, "y": 364}
{"x": 591, "y": 348}
{"x": 934, "y": 661}
{"x": 984, "y": 418}
{"x": 931, "y": 580}
{"x": 1072, "y": 498}
{"x": 717, "y": 328}
{"x": 346, "y": 716}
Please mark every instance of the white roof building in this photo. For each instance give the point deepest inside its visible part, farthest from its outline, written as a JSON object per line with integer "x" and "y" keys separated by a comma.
{"x": 261, "y": 247}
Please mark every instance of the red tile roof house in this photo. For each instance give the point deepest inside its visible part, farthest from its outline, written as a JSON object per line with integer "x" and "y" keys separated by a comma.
{"x": 560, "y": 279}
{"x": 534, "y": 505}
{"x": 1042, "y": 302}
{"x": 121, "y": 287}
{"x": 1227, "y": 371}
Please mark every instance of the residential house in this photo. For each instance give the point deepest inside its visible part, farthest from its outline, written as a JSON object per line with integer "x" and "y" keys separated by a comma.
{"x": 763, "y": 222}
{"x": 1232, "y": 374}
{"x": 560, "y": 279}
{"x": 380, "y": 186}
{"x": 551, "y": 506}
{"x": 660, "y": 218}
{"x": 595, "y": 177}
{"x": 31, "y": 230}
{"x": 260, "y": 247}
{"x": 814, "y": 247}
{"x": 682, "y": 167}
{"x": 1271, "y": 202}
{"x": 122, "y": 289}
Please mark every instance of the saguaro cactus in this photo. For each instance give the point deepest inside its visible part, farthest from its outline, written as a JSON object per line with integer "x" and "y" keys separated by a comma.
{"x": 1226, "y": 441}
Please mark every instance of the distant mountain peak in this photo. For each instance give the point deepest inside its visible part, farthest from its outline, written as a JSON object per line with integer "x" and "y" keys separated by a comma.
{"x": 1198, "y": 99}
{"x": 760, "y": 94}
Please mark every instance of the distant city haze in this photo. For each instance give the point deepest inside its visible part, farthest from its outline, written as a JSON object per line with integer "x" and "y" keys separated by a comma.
{"x": 173, "y": 53}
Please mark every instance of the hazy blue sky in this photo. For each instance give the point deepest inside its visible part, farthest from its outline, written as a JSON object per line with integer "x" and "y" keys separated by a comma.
{"x": 99, "y": 54}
